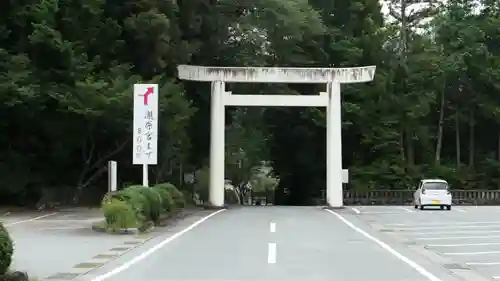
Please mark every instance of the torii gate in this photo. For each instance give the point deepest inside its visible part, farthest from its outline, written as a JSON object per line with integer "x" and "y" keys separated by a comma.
{"x": 330, "y": 99}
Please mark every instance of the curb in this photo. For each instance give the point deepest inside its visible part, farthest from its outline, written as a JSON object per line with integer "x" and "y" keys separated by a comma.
{"x": 334, "y": 208}
{"x": 216, "y": 208}
{"x": 101, "y": 229}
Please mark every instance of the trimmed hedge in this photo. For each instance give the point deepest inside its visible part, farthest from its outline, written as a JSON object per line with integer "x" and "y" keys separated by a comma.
{"x": 6, "y": 250}
{"x": 138, "y": 206}
{"x": 177, "y": 196}
{"x": 119, "y": 214}
{"x": 167, "y": 202}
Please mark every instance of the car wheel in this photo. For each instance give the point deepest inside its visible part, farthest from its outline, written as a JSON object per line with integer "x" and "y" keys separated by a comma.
{"x": 448, "y": 207}
{"x": 416, "y": 206}
{"x": 421, "y": 207}
{"x": 442, "y": 207}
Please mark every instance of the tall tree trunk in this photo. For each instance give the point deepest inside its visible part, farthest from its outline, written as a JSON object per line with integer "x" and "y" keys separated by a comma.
{"x": 457, "y": 137}
{"x": 439, "y": 143}
{"x": 471, "y": 138}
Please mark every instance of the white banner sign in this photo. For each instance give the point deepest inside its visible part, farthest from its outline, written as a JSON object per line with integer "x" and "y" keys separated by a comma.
{"x": 145, "y": 124}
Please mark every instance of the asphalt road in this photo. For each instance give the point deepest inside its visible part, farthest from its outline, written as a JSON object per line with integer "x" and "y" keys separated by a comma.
{"x": 273, "y": 243}
{"x": 466, "y": 239}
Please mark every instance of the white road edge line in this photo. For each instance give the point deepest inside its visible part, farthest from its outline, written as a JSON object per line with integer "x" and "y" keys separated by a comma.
{"x": 272, "y": 227}
{"x": 271, "y": 253}
{"x": 153, "y": 249}
{"x": 388, "y": 248}
{"x": 32, "y": 219}
{"x": 356, "y": 210}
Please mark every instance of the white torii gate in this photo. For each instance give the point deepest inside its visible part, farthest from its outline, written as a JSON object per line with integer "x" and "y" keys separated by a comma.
{"x": 330, "y": 99}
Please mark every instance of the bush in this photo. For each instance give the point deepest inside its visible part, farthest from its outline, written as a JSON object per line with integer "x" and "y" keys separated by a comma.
{"x": 153, "y": 200}
{"x": 167, "y": 202}
{"x": 137, "y": 201}
{"x": 6, "y": 250}
{"x": 177, "y": 196}
{"x": 119, "y": 214}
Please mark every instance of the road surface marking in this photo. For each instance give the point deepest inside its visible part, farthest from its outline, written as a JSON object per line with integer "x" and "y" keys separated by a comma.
{"x": 153, "y": 249}
{"x": 441, "y": 223}
{"x": 472, "y": 253}
{"x": 483, "y": 263}
{"x": 271, "y": 253}
{"x": 460, "y": 210}
{"x": 463, "y": 245}
{"x": 456, "y": 237}
{"x": 496, "y": 277}
{"x": 382, "y": 213}
{"x": 356, "y": 210}
{"x": 389, "y": 249}
{"x": 272, "y": 227}
{"x": 32, "y": 219}
{"x": 406, "y": 209}
{"x": 454, "y": 232}
{"x": 446, "y": 227}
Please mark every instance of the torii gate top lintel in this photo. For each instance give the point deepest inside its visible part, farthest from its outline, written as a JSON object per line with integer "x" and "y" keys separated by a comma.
{"x": 277, "y": 74}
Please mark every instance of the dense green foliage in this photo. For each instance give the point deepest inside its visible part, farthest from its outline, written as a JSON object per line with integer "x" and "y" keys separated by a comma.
{"x": 67, "y": 68}
{"x": 139, "y": 207}
{"x": 6, "y": 250}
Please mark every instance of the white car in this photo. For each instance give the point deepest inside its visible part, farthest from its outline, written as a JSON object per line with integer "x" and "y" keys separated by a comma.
{"x": 432, "y": 192}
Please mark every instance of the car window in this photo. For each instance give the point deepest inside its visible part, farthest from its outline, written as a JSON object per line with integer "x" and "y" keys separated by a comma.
{"x": 435, "y": 186}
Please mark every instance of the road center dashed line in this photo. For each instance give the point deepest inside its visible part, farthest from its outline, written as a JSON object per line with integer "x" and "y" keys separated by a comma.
{"x": 272, "y": 227}
{"x": 271, "y": 253}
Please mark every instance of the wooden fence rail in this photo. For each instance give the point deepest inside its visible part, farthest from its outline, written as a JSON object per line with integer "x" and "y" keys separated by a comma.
{"x": 398, "y": 197}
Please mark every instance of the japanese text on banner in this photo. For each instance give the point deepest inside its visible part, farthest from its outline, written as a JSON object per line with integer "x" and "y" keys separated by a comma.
{"x": 145, "y": 124}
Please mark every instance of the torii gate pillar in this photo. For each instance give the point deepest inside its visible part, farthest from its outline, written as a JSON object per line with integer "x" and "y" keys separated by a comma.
{"x": 330, "y": 99}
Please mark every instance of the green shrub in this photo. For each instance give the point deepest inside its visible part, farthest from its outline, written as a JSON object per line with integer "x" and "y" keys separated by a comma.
{"x": 177, "y": 196}
{"x": 6, "y": 249}
{"x": 168, "y": 204}
{"x": 119, "y": 214}
{"x": 231, "y": 197}
{"x": 153, "y": 199}
{"x": 137, "y": 200}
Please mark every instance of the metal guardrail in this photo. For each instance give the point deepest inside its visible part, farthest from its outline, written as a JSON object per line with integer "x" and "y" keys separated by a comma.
{"x": 402, "y": 197}
{"x": 399, "y": 197}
